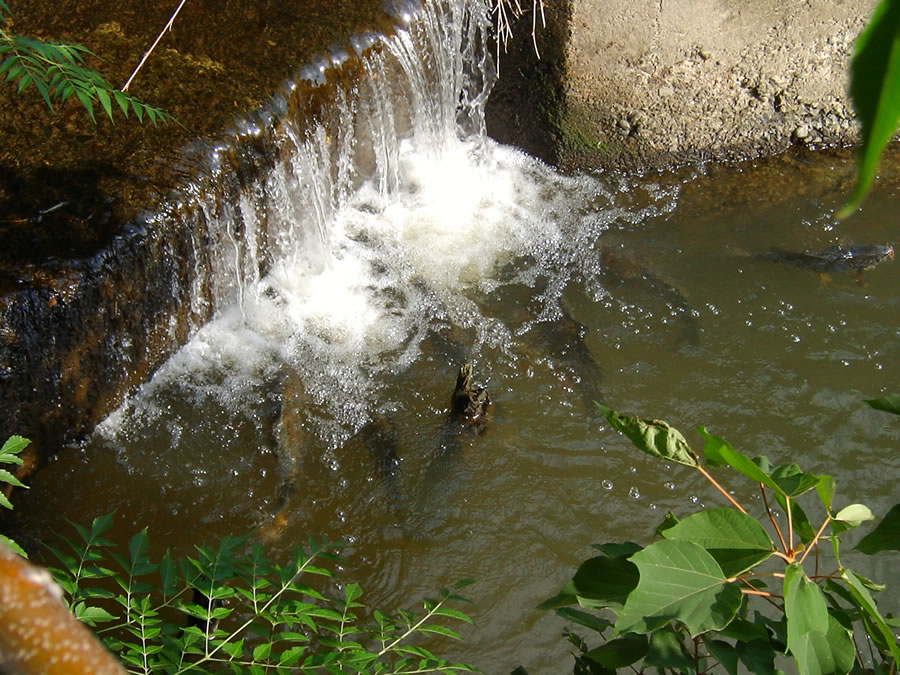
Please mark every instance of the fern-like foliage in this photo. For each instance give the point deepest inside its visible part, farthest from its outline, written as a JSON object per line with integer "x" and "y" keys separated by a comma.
{"x": 229, "y": 608}
{"x": 9, "y": 454}
{"x": 57, "y": 71}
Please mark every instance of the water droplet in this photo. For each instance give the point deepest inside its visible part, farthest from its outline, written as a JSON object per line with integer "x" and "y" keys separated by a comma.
{"x": 607, "y": 484}
{"x": 634, "y": 493}
{"x": 694, "y": 499}
{"x": 653, "y": 506}
{"x": 669, "y": 485}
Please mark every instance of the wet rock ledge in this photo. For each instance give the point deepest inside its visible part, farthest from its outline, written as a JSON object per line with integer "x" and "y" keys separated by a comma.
{"x": 89, "y": 299}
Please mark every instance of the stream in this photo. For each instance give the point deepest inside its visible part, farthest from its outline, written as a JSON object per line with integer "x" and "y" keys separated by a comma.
{"x": 347, "y": 295}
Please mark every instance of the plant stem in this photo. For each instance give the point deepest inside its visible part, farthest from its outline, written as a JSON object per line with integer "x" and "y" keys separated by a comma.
{"x": 772, "y": 518}
{"x": 168, "y": 26}
{"x": 787, "y": 503}
{"x": 815, "y": 542}
{"x": 716, "y": 485}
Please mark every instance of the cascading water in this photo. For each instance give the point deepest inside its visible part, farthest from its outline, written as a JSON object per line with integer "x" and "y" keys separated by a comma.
{"x": 386, "y": 213}
{"x": 361, "y": 237}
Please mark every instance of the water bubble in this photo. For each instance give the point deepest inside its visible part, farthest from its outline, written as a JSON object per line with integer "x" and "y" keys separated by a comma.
{"x": 669, "y": 485}
{"x": 606, "y": 484}
{"x": 694, "y": 499}
{"x": 634, "y": 493}
{"x": 632, "y": 469}
{"x": 653, "y": 506}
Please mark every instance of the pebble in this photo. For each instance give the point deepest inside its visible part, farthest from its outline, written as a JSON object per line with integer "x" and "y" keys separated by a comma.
{"x": 801, "y": 132}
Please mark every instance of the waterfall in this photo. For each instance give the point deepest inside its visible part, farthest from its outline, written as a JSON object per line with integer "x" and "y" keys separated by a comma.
{"x": 361, "y": 214}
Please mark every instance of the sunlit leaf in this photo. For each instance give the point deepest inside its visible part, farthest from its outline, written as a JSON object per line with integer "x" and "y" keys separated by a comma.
{"x": 851, "y": 517}
{"x": 792, "y": 481}
{"x": 875, "y": 90}
{"x": 654, "y": 437}
{"x": 679, "y": 580}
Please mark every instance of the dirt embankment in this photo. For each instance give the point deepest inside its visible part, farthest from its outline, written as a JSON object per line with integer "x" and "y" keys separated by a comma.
{"x": 656, "y": 83}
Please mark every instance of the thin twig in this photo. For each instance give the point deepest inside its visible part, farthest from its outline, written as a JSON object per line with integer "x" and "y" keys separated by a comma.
{"x": 772, "y": 518}
{"x": 168, "y": 26}
{"x": 815, "y": 542}
{"x": 716, "y": 485}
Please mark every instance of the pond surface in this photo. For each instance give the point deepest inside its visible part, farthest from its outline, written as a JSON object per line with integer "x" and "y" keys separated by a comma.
{"x": 500, "y": 261}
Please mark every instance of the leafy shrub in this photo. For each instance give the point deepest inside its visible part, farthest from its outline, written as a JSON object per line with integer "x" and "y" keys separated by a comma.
{"x": 231, "y": 608}
{"x": 57, "y": 71}
{"x": 9, "y": 454}
{"x": 700, "y": 596}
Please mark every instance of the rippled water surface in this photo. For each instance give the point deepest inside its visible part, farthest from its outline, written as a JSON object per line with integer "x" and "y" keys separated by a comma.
{"x": 647, "y": 293}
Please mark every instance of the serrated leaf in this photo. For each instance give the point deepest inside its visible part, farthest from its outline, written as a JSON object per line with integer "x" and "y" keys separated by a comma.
{"x": 679, "y": 580}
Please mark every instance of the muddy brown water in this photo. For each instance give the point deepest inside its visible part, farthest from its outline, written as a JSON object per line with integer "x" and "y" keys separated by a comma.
{"x": 774, "y": 358}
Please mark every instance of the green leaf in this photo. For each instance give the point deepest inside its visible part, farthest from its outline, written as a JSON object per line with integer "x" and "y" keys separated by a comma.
{"x": 618, "y": 549}
{"x": 889, "y": 404}
{"x": 712, "y": 447}
{"x": 825, "y": 488}
{"x": 606, "y": 582}
{"x": 13, "y": 545}
{"x": 851, "y": 517}
{"x": 679, "y": 580}
{"x": 105, "y": 101}
{"x": 792, "y": 481}
{"x": 582, "y": 618}
{"x": 620, "y": 652}
{"x": 802, "y": 527}
{"x": 667, "y": 651}
{"x": 813, "y": 636}
{"x": 758, "y": 656}
{"x": 867, "y": 604}
{"x": 885, "y": 536}
{"x": 14, "y": 444}
{"x": 725, "y": 653}
{"x": 875, "y": 90}
{"x": 654, "y": 437}
{"x": 728, "y": 530}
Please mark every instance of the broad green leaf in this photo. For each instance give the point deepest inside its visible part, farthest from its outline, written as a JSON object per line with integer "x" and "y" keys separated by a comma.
{"x": 816, "y": 640}
{"x": 711, "y": 449}
{"x": 792, "y": 481}
{"x": 889, "y": 404}
{"x": 875, "y": 90}
{"x": 668, "y": 521}
{"x": 620, "y": 652}
{"x": 667, "y": 651}
{"x": 679, "y": 580}
{"x": 850, "y": 517}
{"x": 654, "y": 437}
{"x": 758, "y": 656}
{"x": 825, "y": 488}
{"x": 885, "y": 536}
{"x": 840, "y": 641}
{"x": 725, "y": 653}
{"x": 722, "y": 528}
{"x": 865, "y": 602}
{"x": 605, "y": 581}
{"x": 618, "y": 549}
{"x": 802, "y": 527}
